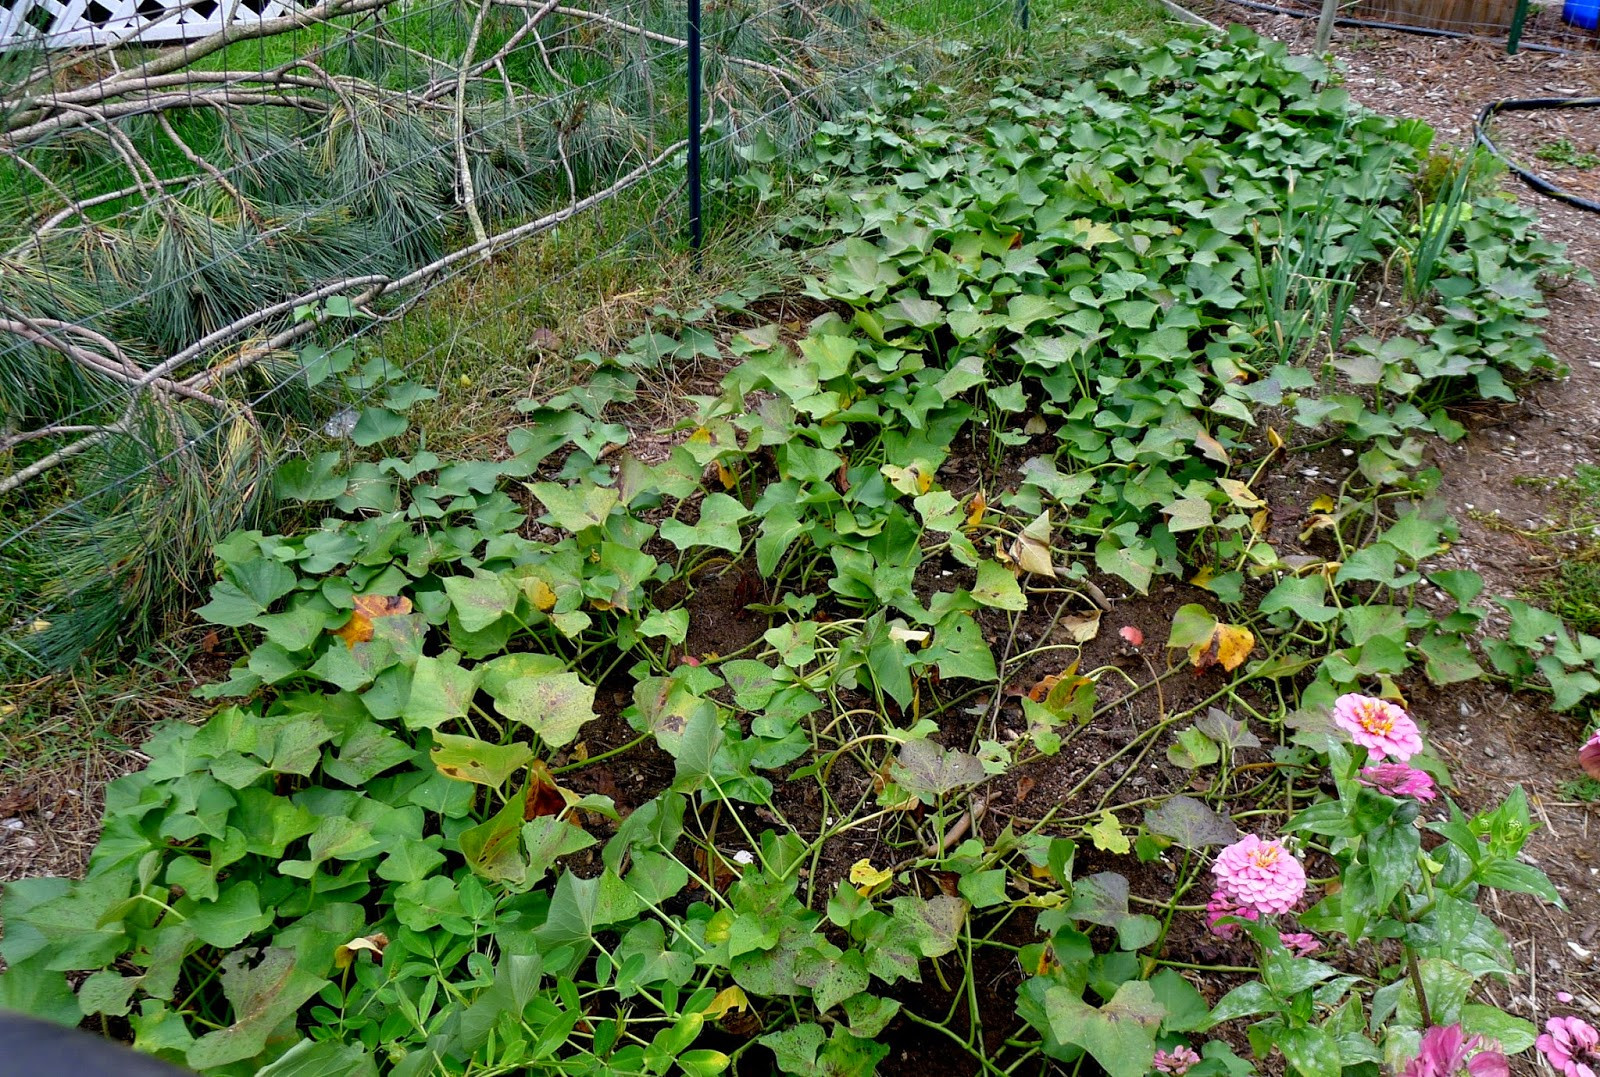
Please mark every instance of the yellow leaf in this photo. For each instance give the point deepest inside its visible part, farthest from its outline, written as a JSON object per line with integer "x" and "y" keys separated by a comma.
{"x": 720, "y": 926}
{"x": 1258, "y": 521}
{"x": 728, "y": 479}
{"x": 539, "y": 593}
{"x": 345, "y": 953}
{"x": 1228, "y": 646}
{"x": 729, "y": 998}
{"x": 1097, "y": 232}
{"x": 1274, "y": 438}
{"x": 909, "y": 480}
{"x": 1040, "y": 872}
{"x": 1240, "y": 494}
{"x": 975, "y": 513}
{"x": 1320, "y": 521}
{"x": 1322, "y": 504}
{"x": 867, "y": 879}
{"x": 1212, "y": 449}
{"x": 1082, "y": 628}
{"x": 1031, "y": 549}
{"x": 701, "y": 435}
{"x": 1107, "y": 835}
{"x": 39, "y": 625}
{"x": 369, "y": 608}
{"x": 1204, "y": 577}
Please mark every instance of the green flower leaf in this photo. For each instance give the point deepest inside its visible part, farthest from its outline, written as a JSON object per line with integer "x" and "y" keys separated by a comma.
{"x": 441, "y": 690}
{"x": 718, "y": 526}
{"x": 1121, "y": 1035}
{"x": 576, "y": 508}
{"x": 998, "y": 588}
{"x": 554, "y": 706}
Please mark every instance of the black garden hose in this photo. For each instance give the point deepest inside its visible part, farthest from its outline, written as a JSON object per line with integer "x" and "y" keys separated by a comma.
{"x": 1533, "y": 104}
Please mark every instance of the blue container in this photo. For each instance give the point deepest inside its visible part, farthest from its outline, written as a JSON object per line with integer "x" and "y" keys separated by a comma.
{"x": 1584, "y": 14}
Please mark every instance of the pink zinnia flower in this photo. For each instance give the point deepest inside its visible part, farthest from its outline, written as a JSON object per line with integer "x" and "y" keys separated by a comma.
{"x": 1378, "y": 725}
{"x": 1589, "y": 756}
{"x": 1176, "y": 1061}
{"x": 1447, "y": 1051}
{"x": 1260, "y": 875}
{"x": 1571, "y": 1046}
{"x": 1399, "y": 780}
{"x": 1222, "y": 905}
{"x": 1300, "y": 944}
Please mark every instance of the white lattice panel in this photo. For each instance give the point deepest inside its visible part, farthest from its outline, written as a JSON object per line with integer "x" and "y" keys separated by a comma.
{"x": 60, "y": 24}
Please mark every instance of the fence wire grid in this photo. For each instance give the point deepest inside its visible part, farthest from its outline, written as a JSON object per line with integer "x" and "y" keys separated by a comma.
{"x": 1557, "y": 25}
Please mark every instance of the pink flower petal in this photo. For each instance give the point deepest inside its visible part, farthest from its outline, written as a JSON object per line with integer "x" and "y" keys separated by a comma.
{"x": 1589, "y": 756}
{"x": 1260, "y": 875}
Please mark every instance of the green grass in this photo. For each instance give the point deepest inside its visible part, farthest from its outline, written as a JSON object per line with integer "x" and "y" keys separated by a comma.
{"x": 1574, "y": 592}
{"x": 1561, "y": 151}
{"x": 45, "y": 721}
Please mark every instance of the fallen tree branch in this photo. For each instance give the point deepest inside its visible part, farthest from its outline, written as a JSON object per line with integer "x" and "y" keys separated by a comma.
{"x": 116, "y": 366}
{"x": 11, "y": 441}
{"x": 213, "y": 171}
{"x": 676, "y": 42}
{"x": 102, "y": 115}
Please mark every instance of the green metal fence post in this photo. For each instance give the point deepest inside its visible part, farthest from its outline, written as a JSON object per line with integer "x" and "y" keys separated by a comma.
{"x": 1518, "y": 18}
{"x": 696, "y": 224}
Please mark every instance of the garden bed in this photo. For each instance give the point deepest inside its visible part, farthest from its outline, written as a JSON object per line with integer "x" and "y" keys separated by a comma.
{"x": 889, "y": 708}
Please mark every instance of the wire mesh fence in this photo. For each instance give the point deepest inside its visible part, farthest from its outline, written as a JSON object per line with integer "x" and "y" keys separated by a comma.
{"x": 1539, "y": 24}
{"x": 191, "y": 230}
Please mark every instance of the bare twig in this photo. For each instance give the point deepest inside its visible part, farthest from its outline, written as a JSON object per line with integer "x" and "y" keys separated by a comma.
{"x": 213, "y": 171}
{"x": 11, "y": 441}
{"x": 469, "y": 196}
{"x": 79, "y": 208}
{"x": 60, "y": 456}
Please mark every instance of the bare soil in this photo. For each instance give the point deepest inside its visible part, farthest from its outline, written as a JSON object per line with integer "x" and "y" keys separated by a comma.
{"x": 1573, "y": 134}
